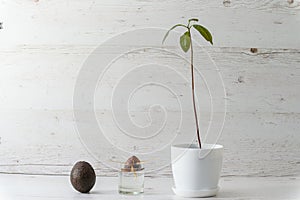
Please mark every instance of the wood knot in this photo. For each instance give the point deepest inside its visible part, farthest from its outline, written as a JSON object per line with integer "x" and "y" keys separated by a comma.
{"x": 253, "y": 50}
{"x": 1, "y": 25}
{"x": 226, "y": 3}
{"x": 241, "y": 79}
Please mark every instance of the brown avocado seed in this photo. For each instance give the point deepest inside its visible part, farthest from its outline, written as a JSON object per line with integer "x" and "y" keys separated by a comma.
{"x": 132, "y": 164}
{"x": 83, "y": 177}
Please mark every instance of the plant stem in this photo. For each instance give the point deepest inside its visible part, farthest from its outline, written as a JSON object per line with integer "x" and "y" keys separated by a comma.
{"x": 193, "y": 92}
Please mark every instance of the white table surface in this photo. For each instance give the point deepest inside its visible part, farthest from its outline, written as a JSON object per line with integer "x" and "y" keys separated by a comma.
{"x": 58, "y": 187}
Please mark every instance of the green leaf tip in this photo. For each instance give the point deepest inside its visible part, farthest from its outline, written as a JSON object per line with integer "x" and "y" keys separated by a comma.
{"x": 185, "y": 41}
{"x": 204, "y": 32}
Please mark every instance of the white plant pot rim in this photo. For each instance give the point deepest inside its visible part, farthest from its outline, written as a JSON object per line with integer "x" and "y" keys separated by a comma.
{"x": 205, "y": 150}
{"x": 194, "y": 147}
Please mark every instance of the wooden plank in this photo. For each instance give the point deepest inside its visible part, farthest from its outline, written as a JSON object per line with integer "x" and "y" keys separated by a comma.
{"x": 40, "y": 74}
{"x": 45, "y": 142}
{"x": 262, "y": 24}
{"x": 59, "y": 187}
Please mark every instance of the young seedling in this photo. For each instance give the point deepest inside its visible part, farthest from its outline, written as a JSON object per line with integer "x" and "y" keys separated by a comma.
{"x": 186, "y": 44}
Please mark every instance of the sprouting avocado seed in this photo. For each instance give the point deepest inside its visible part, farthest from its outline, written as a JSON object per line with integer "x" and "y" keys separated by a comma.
{"x": 133, "y": 163}
{"x": 83, "y": 177}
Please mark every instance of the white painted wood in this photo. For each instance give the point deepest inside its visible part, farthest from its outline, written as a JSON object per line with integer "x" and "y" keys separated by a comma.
{"x": 59, "y": 187}
{"x": 262, "y": 145}
{"x": 43, "y": 45}
{"x": 271, "y": 76}
{"x": 51, "y": 71}
{"x": 266, "y": 23}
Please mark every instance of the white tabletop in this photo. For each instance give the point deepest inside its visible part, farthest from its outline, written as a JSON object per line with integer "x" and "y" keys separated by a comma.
{"x": 58, "y": 187}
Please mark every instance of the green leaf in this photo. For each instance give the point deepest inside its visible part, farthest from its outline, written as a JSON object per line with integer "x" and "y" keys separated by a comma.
{"x": 204, "y": 32}
{"x": 165, "y": 37}
{"x": 193, "y": 19}
{"x": 185, "y": 41}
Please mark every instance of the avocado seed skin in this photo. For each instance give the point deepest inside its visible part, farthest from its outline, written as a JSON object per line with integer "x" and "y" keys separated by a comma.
{"x": 83, "y": 177}
{"x": 132, "y": 164}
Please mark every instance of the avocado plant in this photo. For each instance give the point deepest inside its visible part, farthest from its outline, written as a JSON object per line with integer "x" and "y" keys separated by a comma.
{"x": 186, "y": 44}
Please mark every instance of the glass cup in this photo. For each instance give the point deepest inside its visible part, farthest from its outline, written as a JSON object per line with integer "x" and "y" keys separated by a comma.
{"x": 131, "y": 180}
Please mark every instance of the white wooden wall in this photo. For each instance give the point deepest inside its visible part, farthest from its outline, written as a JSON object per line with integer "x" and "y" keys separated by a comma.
{"x": 44, "y": 43}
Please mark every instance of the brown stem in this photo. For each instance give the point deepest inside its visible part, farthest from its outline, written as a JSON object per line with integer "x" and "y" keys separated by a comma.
{"x": 193, "y": 93}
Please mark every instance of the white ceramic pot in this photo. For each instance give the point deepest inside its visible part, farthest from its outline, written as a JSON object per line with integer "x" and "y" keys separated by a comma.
{"x": 196, "y": 172}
